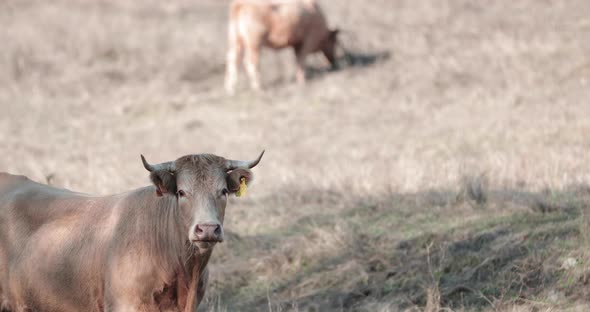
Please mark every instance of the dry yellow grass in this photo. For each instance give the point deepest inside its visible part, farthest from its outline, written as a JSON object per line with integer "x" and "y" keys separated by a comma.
{"x": 473, "y": 118}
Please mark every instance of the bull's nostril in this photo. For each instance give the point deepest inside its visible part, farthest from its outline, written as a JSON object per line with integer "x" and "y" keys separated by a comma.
{"x": 208, "y": 232}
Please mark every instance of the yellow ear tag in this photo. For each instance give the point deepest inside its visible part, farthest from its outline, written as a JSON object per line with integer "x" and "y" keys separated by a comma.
{"x": 242, "y": 191}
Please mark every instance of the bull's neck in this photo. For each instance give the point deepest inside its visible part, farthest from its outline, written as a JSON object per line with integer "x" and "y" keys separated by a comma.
{"x": 168, "y": 239}
{"x": 160, "y": 227}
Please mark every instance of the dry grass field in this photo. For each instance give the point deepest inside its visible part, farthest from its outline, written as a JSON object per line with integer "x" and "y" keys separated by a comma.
{"x": 444, "y": 167}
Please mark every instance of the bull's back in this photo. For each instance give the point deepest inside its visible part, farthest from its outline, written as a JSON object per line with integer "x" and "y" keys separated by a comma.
{"x": 9, "y": 182}
{"x": 28, "y": 205}
{"x": 274, "y": 23}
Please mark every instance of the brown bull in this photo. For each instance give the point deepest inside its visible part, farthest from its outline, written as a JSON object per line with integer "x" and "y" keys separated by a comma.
{"x": 276, "y": 24}
{"x": 145, "y": 250}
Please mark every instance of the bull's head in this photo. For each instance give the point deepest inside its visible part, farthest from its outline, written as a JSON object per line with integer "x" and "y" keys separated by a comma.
{"x": 201, "y": 185}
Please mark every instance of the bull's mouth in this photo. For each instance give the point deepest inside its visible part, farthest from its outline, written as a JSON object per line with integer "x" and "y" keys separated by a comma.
{"x": 202, "y": 244}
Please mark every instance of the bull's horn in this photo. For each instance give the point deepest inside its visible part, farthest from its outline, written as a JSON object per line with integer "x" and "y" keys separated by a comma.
{"x": 168, "y": 166}
{"x": 245, "y": 164}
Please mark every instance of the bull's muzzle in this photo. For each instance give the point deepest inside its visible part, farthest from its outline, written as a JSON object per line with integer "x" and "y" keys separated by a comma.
{"x": 209, "y": 232}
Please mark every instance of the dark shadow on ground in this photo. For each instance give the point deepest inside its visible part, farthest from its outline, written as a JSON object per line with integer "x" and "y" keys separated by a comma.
{"x": 349, "y": 60}
{"x": 361, "y": 59}
{"x": 204, "y": 74}
{"x": 511, "y": 253}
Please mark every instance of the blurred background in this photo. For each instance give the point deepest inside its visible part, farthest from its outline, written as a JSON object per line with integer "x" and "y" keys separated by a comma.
{"x": 445, "y": 165}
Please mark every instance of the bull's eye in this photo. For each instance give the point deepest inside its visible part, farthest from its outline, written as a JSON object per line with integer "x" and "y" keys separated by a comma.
{"x": 225, "y": 192}
{"x": 181, "y": 193}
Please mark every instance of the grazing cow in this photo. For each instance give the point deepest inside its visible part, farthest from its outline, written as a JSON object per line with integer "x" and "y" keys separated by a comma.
{"x": 275, "y": 24}
{"x": 145, "y": 250}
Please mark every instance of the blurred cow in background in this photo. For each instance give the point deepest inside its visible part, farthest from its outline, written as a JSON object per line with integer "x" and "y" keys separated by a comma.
{"x": 276, "y": 24}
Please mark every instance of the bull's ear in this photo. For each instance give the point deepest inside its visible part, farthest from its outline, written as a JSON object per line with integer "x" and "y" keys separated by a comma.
{"x": 234, "y": 176}
{"x": 164, "y": 181}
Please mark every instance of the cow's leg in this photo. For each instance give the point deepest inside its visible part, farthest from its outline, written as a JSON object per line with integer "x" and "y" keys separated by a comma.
{"x": 123, "y": 303}
{"x": 131, "y": 301}
{"x": 4, "y": 305}
{"x": 3, "y": 300}
{"x": 134, "y": 308}
{"x": 234, "y": 56}
{"x": 301, "y": 52}
{"x": 233, "y": 60}
{"x": 130, "y": 284}
{"x": 252, "y": 57}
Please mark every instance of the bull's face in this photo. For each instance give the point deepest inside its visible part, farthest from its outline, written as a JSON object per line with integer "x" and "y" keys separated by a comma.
{"x": 201, "y": 185}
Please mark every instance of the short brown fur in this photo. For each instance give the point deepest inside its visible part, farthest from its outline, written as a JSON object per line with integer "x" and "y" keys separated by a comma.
{"x": 66, "y": 251}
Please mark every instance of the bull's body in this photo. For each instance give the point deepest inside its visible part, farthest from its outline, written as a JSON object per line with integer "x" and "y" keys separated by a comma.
{"x": 65, "y": 251}
{"x": 144, "y": 250}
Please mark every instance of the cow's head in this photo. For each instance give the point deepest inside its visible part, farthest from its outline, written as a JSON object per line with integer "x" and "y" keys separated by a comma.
{"x": 201, "y": 185}
{"x": 328, "y": 47}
